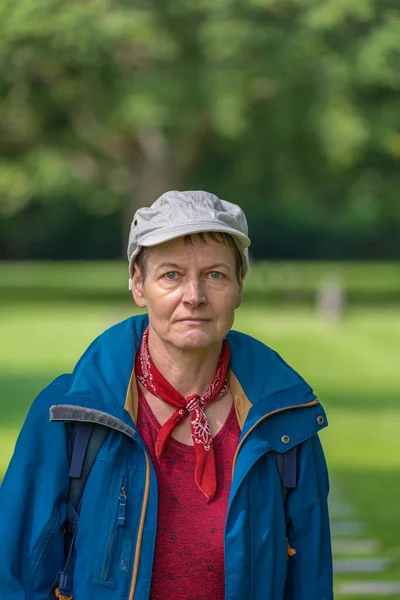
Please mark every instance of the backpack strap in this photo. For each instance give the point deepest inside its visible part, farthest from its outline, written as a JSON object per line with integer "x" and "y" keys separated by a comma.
{"x": 286, "y": 463}
{"x": 86, "y": 441}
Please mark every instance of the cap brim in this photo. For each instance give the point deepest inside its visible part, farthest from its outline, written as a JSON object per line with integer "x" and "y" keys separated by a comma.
{"x": 170, "y": 233}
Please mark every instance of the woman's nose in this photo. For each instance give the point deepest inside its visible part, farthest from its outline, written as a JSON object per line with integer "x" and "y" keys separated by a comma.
{"x": 194, "y": 293}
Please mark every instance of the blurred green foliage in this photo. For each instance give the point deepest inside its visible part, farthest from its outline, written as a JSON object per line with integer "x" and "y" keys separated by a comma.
{"x": 289, "y": 107}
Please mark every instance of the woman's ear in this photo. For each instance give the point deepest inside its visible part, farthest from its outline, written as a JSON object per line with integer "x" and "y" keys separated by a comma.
{"x": 137, "y": 287}
{"x": 239, "y": 294}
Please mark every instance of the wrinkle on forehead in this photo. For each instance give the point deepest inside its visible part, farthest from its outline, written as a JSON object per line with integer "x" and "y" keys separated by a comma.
{"x": 176, "y": 253}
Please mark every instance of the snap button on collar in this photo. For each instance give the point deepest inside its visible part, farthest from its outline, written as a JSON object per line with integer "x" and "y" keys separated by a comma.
{"x": 320, "y": 420}
{"x": 285, "y": 439}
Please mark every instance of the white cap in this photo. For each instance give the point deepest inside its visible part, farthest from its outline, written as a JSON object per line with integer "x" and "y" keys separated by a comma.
{"x": 175, "y": 214}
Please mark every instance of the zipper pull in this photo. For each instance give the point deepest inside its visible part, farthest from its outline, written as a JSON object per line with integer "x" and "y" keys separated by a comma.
{"x": 122, "y": 506}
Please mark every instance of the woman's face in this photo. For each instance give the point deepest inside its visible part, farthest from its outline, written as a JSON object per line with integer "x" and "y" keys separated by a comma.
{"x": 190, "y": 291}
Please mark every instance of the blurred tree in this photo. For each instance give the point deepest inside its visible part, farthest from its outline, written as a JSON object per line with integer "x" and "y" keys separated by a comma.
{"x": 293, "y": 103}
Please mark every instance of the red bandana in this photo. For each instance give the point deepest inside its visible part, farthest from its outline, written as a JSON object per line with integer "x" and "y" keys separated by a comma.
{"x": 149, "y": 376}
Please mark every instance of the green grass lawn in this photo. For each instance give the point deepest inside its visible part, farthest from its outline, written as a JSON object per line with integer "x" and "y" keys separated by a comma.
{"x": 353, "y": 368}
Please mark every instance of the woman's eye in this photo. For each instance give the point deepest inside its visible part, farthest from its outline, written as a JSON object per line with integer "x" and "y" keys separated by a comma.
{"x": 216, "y": 275}
{"x": 171, "y": 275}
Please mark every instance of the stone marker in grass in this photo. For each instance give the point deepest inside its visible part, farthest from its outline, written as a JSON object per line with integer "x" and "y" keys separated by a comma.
{"x": 346, "y": 546}
{"x": 340, "y": 510}
{"x": 368, "y": 588}
{"x": 331, "y": 299}
{"x": 361, "y": 565}
{"x": 347, "y": 528}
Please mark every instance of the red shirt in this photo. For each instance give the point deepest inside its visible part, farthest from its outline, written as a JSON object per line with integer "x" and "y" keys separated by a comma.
{"x": 189, "y": 552}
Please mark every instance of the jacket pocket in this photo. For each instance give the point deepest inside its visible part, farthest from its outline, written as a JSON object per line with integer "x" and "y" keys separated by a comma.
{"x": 115, "y": 533}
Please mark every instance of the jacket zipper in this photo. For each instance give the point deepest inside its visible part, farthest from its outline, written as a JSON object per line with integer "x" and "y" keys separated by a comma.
{"x": 278, "y": 410}
{"x": 120, "y": 522}
{"x": 140, "y": 530}
{"x": 290, "y": 550}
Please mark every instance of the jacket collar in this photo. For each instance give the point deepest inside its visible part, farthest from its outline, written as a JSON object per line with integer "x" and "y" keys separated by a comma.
{"x": 260, "y": 380}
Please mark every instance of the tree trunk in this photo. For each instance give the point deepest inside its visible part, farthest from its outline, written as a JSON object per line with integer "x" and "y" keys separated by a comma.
{"x": 158, "y": 169}
{"x": 150, "y": 178}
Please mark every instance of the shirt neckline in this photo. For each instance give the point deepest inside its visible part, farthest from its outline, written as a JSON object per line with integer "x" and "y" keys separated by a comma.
{"x": 144, "y": 405}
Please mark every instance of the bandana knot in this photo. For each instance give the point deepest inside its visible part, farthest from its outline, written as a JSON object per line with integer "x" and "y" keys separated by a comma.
{"x": 193, "y": 406}
{"x": 194, "y": 402}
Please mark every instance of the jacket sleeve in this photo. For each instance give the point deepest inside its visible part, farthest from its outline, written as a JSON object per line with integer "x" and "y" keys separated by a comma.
{"x": 33, "y": 505}
{"x": 310, "y": 572}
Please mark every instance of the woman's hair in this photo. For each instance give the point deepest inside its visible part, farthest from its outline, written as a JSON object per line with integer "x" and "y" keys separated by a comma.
{"x": 218, "y": 236}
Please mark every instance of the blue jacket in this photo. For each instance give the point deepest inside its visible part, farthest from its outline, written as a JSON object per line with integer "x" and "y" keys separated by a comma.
{"x": 272, "y": 402}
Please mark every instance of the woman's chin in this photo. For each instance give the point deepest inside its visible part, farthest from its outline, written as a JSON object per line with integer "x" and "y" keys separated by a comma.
{"x": 195, "y": 340}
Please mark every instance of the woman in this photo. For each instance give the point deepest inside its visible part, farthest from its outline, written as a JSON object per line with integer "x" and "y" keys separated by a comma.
{"x": 187, "y": 497}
